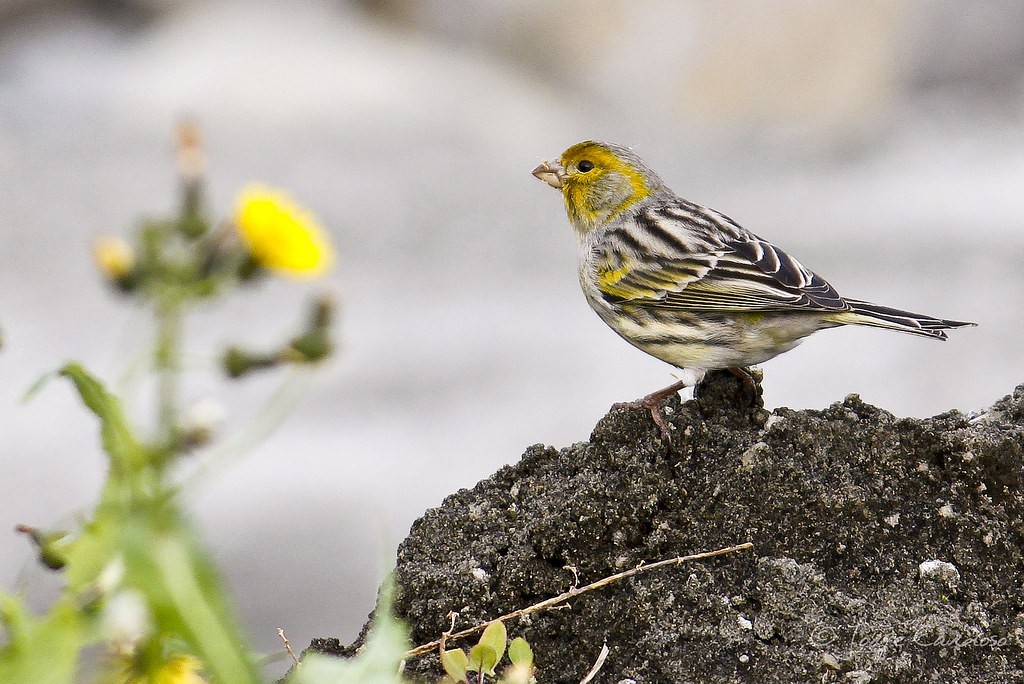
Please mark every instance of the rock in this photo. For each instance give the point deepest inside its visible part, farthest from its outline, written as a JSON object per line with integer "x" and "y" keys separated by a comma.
{"x": 941, "y": 573}
{"x": 847, "y": 508}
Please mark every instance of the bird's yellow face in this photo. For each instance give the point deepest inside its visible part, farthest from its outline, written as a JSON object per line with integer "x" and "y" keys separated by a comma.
{"x": 598, "y": 182}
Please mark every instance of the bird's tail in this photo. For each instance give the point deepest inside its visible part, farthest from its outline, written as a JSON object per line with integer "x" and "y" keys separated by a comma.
{"x": 866, "y": 313}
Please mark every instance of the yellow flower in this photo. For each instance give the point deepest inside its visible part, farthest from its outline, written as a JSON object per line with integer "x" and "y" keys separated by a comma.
{"x": 180, "y": 669}
{"x": 113, "y": 256}
{"x": 281, "y": 235}
{"x": 177, "y": 669}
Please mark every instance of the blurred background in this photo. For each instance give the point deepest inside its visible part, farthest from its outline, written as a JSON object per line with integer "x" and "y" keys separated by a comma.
{"x": 880, "y": 142}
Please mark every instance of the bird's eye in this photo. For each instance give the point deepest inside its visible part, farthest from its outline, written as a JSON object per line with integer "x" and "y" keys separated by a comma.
{"x": 585, "y": 165}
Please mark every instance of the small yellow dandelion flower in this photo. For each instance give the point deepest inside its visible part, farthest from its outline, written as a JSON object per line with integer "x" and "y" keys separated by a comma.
{"x": 177, "y": 669}
{"x": 180, "y": 669}
{"x": 113, "y": 256}
{"x": 281, "y": 235}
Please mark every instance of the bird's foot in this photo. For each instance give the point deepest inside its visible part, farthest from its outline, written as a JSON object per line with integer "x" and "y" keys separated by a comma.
{"x": 652, "y": 402}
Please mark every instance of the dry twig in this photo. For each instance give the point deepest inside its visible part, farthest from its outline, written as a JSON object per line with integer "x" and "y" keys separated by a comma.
{"x": 598, "y": 664}
{"x": 287, "y": 646}
{"x": 576, "y": 591}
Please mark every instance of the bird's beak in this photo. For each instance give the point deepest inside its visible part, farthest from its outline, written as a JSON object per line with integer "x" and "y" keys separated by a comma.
{"x": 552, "y": 173}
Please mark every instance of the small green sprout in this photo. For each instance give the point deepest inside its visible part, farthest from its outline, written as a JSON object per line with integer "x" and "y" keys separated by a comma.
{"x": 485, "y": 656}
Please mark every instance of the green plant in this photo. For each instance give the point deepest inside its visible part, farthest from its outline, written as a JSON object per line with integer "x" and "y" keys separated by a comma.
{"x": 139, "y": 584}
{"x": 484, "y": 657}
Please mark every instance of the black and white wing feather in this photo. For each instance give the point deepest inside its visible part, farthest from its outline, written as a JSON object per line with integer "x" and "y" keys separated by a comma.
{"x": 686, "y": 257}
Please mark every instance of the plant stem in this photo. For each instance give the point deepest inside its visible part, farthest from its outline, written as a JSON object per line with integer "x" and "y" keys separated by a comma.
{"x": 167, "y": 360}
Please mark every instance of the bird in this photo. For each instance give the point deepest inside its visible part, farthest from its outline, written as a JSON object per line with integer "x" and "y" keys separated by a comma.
{"x": 686, "y": 283}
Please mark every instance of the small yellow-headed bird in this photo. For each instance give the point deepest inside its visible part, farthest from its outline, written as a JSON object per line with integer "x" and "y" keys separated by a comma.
{"x": 687, "y": 284}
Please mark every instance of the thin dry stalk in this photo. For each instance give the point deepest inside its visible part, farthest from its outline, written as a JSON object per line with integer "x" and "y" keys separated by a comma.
{"x": 598, "y": 664}
{"x": 287, "y": 646}
{"x": 576, "y": 591}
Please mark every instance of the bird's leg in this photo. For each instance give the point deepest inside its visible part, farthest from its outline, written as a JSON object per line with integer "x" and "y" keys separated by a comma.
{"x": 652, "y": 402}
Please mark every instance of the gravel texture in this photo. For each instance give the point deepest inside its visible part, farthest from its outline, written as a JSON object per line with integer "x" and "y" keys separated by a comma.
{"x": 885, "y": 549}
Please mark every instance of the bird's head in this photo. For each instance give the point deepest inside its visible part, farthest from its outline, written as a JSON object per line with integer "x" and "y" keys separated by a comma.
{"x": 599, "y": 181}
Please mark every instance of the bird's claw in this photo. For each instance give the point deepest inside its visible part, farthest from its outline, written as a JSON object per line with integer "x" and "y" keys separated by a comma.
{"x": 652, "y": 402}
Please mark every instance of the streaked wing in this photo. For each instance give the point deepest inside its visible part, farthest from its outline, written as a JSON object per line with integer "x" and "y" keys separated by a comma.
{"x": 757, "y": 276}
{"x": 743, "y": 273}
{"x": 647, "y": 282}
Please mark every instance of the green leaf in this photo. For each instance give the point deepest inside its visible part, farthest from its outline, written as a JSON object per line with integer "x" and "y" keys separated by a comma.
{"x": 495, "y": 636}
{"x": 37, "y": 386}
{"x": 482, "y": 658}
{"x": 378, "y": 661}
{"x": 520, "y": 653}
{"x": 187, "y": 599}
{"x": 127, "y": 455}
{"x": 455, "y": 663}
{"x": 317, "y": 668}
{"x": 92, "y": 551}
{"x": 13, "y": 618}
{"x": 44, "y": 649}
{"x": 100, "y": 540}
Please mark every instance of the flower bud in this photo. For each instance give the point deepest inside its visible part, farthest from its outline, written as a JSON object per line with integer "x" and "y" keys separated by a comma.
{"x": 115, "y": 259}
{"x": 237, "y": 362}
{"x": 52, "y": 545}
{"x": 201, "y": 420}
{"x": 125, "y": 621}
